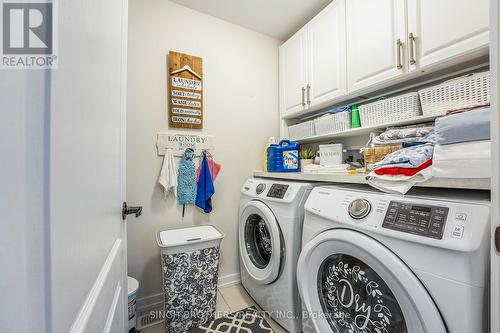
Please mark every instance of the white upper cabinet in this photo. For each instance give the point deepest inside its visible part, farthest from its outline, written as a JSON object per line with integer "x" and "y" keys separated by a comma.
{"x": 327, "y": 55}
{"x": 442, "y": 30}
{"x": 355, "y": 47}
{"x": 293, "y": 73}
{"x": 375, "y": 41}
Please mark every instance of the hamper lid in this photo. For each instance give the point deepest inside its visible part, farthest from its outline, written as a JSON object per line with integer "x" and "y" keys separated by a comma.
{"x": 132, "y": 285}
{"x": 182, "y": 236}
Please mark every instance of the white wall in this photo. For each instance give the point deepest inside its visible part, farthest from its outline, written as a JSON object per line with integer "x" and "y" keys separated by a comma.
{"x": 240, "y": 110}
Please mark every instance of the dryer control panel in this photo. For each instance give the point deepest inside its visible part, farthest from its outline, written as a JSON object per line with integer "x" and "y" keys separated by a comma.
{"x": 418, "y": 219}
{"x": 277, "y": 191}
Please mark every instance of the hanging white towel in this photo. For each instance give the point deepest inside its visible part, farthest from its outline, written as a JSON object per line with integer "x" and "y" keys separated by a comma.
{"x": 168, "y": 174}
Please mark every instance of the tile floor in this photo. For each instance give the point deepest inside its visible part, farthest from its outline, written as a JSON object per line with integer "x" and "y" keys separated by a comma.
{"x": 229, "y": 299}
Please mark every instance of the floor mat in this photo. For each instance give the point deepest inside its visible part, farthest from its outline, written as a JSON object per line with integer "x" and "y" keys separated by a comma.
{"x": 248, "y": 320}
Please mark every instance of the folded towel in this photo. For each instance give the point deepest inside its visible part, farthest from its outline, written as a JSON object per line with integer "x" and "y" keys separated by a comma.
{"x": 403, "y": 171}
{"x": 394, "y": 133}
{"x": 467, "y": 126}
{"x": 410, "y": 157}
{"x": 409, "y": 134}
{"x": 462, "y": 160}
{"x": 398, "y": 184}
{"x": 205, "y": 188}
{"x": 168, "y": 174}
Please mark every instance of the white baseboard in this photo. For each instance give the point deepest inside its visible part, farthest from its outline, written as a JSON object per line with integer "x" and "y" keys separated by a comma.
{"x": 155, "y": 300}
{"x": 148, "y": 302}
{"x": 229, "y": 280}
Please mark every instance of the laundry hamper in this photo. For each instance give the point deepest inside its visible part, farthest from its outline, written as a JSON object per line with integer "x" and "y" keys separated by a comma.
{"x": 190, "y": 265}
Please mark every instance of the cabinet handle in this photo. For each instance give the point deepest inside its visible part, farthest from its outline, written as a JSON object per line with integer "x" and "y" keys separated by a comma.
{"x": 303, "y": 96}
{"x": 411, "y": 38}
{"x": 399, "y": 64}
{"x": 308, "y": 94}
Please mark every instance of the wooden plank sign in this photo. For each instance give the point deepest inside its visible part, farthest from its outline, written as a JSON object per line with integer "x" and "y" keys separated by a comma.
{"x": 185, "y": 91}
{"x": 178, "y": 142}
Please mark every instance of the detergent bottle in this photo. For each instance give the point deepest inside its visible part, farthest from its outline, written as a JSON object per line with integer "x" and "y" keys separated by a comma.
{"x": 270, "y": 141}
{"x": 283, "y": 157}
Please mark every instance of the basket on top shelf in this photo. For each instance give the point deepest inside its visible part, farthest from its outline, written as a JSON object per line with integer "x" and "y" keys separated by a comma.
{"x": 332, "y": 123}
{"x": 463, "y": 92}
{"x": 377, "y": 154}
{"x": 301, "y": 130}
{"x": 390, "y": 110}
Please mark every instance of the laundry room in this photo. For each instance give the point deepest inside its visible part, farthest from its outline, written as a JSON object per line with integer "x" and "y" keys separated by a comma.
{"x": 222, "y": 166}
{"x": 336, "y": 150}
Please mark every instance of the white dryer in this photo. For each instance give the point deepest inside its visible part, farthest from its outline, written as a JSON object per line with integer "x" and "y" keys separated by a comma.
{"x": 270, "y": 232}
{"x": 374, "y": 262}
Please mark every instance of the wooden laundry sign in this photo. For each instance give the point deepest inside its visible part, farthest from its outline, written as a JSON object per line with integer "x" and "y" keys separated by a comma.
{"x": 179, "y": 142}
{"x": 185, "y": 91}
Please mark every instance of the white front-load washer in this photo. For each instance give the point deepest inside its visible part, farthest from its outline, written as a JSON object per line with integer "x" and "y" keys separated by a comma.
{"x": 375, "y": 262}
{"x": 270, "y": 232}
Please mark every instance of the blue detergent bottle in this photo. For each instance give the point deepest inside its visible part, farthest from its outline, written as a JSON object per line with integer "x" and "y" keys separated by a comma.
{"x": 283, "y": 157}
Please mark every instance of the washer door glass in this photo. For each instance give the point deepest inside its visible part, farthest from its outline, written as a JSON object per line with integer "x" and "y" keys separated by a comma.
{"x": 355, "y": 298}
{"x": 351, "y": 283}
{"x": 258, "y": 241}
{"x": 261, "y": 245}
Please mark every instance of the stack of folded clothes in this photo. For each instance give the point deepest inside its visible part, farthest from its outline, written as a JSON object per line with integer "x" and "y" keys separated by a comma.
{"x": 407, "y": 136}
{"x": 463, "y": 147}
{"x": 402, "y": 169}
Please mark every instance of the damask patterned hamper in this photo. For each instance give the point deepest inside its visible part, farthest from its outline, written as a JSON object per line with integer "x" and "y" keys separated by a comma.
{"x": 190, "y": 265}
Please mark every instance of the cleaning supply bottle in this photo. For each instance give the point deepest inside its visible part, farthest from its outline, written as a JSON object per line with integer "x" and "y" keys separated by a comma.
{"x": 283, "y": 157}
{"x": 355, "y": 121}
{"x": 270, "y": 141}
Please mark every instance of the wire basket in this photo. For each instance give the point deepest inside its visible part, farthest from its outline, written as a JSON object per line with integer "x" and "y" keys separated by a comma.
{"x": 332, "y": 123}
{"x": 377, "y": 154}
{"x": 463, "y": 92}
{"x": 301, "y": 131}
{"x": 390, "y": 110}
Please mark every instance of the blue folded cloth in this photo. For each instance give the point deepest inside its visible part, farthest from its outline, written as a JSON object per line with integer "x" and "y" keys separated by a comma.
{"x": 206, "y": 188}
{"x": 410, "y": 157}
{"x": 466, "y": 126}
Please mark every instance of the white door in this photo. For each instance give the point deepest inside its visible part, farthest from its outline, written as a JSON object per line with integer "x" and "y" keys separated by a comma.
{"x": 495, "y": 166}
{"x": 292, "y": 73}
{"x": 88, "y": 288}
{"x": 327, "y": 55}
{"x": 375, "y": 42}
{"x": 349, "y": 282}
{"x": 446, "y": 29}
{"x": 261, "y": 242}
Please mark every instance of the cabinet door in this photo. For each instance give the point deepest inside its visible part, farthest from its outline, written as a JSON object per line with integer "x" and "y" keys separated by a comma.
{"x": 446, "y": 29}
{"x": 373, "y": 30}
{"x": 327, "y": 55}
{"x": 292, "y": 73}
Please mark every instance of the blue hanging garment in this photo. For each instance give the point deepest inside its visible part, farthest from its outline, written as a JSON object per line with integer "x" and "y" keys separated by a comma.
{"x": 186, "y": 180}
{"x": 205, "y": 188}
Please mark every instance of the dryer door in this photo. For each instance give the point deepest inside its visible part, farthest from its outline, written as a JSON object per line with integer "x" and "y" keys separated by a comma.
{"x": 350, "y": 282}
{"x": 260, "y": 242}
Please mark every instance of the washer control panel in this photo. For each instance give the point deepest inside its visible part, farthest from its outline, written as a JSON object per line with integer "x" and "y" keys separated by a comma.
{"x": 277, "y": 191}
{"x": 418, "y": 219}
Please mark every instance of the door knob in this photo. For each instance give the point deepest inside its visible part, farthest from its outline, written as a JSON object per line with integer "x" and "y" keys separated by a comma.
{"x": 126, "y": 210}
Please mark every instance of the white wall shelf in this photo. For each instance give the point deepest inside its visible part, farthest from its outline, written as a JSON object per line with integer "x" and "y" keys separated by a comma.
{"x": 365, "y": 130}
{"x": 466, "y": 183}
